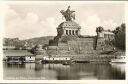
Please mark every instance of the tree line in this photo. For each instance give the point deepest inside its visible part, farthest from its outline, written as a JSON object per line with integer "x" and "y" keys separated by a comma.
{"x": 120, "y": 37}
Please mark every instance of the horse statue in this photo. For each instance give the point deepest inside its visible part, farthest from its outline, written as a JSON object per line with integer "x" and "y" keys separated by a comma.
{"x": 68, "y": 14}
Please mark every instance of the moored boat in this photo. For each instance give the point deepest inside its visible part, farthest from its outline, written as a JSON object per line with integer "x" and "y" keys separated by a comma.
{"x": 119, "y": 59}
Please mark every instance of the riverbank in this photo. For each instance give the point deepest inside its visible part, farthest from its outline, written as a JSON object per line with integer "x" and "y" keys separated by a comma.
{"x": 79, "y": 58}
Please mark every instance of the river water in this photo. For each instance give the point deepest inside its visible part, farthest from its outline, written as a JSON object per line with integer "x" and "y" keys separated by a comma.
{"x": 78, "y": 71}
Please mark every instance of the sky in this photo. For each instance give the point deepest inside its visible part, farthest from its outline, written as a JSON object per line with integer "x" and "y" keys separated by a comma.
{"x": 41, "y": 19}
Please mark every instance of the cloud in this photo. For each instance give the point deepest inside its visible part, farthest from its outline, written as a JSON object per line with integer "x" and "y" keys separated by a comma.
{"x": 31, "y": 18}
{"x": 23, "y": 28}
{"x": 109, "y": 24}
{"x": 89, "y": 25}
{"x": 49, "y": 26}
{"x": 93, "y": 21}
{"x": 31, "y": 23}
{"x": 9, "y": 13}
{"x": 29, "y": 26}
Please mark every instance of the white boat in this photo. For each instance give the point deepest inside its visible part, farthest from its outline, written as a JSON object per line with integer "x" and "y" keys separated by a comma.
{"x": 119, "y": 59}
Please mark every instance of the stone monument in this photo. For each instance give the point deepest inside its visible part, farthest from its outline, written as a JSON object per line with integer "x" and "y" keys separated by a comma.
{"x": 69, "y": 41}
{"x": 69, "y": 29}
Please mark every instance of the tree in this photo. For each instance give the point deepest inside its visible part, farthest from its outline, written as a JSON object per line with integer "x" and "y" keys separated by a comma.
{"x": 99, "y": 29}
{"x": 45, "y": 46}
{"x": 119, "y": 32}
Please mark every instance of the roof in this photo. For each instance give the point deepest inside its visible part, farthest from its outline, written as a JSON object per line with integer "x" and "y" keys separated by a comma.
{"x": 69, "y": 24}
{"x": 17, "y": 53}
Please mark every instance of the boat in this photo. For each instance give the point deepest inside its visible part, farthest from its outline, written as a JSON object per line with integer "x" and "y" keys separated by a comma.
{"x": 15, "y": 62}
{"x": 119, "y": 59}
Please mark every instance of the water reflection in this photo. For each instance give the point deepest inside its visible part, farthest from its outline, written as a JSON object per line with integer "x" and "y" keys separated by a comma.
{"x": 64, "y": 72}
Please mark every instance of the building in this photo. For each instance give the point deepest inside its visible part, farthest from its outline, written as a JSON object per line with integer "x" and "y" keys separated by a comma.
{"x": 56, "y": 59}
{"x": 10, "y": 43}
{"x": 29, "y": 58}
{"x": 69, "y": 41}
{"x": 68, "y": 28}
{"x": 17, "y": 56}
{"x": 9, "y": 47}
{"x": 106, "y": 35}
{"x": 105, "y": 40}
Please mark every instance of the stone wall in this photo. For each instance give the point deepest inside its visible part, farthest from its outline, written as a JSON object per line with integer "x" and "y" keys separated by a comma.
{"x": 104, "y": 45}
{"x": 81, "y": 46}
